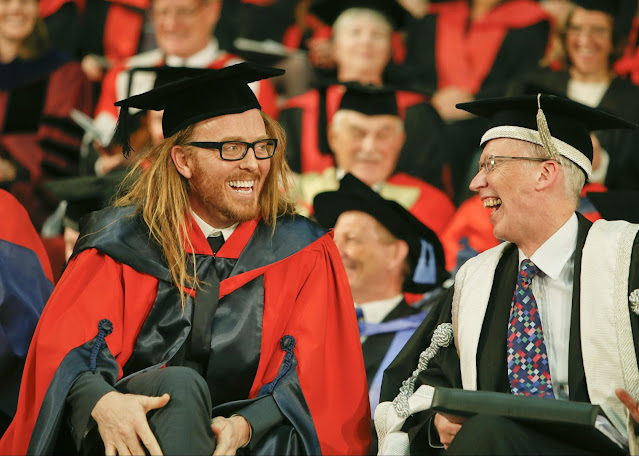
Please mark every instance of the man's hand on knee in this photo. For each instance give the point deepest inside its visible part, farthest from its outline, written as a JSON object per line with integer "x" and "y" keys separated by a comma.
{"x": 447, "y": 426}
{"x": 123, "y": 425}
{"x": 231, "y": 433}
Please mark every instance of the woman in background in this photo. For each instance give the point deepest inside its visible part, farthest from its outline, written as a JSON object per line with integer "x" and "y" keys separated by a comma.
{"x": 589, "y": 45}
{"x": 38, "y": 89}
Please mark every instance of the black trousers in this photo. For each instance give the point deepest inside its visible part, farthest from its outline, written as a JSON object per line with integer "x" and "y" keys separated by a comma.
{"x": 493, "y": 435}
{"x": 183, "y": 426}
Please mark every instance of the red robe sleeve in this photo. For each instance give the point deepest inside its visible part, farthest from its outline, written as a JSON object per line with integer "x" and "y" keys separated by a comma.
{"x": 308, "y": 297}
{"x": 93, "y": 287}
{"x": 16, "y": 228}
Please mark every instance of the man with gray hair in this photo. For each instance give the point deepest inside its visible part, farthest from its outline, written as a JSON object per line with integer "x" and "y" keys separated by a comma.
{"x": 551, "y": 313}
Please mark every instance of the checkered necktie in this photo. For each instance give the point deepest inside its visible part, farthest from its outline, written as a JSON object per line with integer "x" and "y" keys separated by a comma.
{"x": 528, "y": 368}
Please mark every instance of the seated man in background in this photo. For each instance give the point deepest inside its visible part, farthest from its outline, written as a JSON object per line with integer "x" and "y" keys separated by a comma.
{"x": 200, "y": 284}
{"x": 550, "y": 313}
{"x": 364, "y": 35}
{"x": 386, "y": 251}
{"x": 366, "y": 135}
{"x": 184, "y": 35}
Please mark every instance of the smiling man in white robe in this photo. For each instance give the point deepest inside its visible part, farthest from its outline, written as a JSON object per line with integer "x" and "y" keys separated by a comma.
{"x": 573, "y": 282}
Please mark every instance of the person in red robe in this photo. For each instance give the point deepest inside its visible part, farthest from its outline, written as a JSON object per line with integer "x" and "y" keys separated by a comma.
{"x": 39, "y": 89}
{"x": 367, "y": 134}
{"x": 361, "y": 46}
{"x": 201, "y": 297}
{"x": 26, "y": 281}
{"x": 465, "y": 50}
{"x": 183, "y": 31}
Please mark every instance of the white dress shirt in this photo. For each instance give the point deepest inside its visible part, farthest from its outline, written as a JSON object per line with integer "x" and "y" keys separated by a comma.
{"x": 376, "y": 311}
{"x": 552, "y": 288}
{"x": 200, "y": 59}
{"x": 210, "y": 231}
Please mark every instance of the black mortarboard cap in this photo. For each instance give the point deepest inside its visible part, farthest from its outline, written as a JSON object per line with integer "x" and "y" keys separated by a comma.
{"x": 426, "y": 254}
{"x": 191, "y": 100}
{"x": 560, "y": 125}
{"x": 367, "y": 99}
{"x": 617, "y": 204}
{"x": 329, "y": 10}
{"x": 607, "y": 6}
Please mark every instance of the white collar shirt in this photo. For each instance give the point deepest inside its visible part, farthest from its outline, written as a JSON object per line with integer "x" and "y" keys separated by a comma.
{"x": 210, "y": 231}
{"x": 200, "y": 59}
{"x": 553, "y": 289}
{"x": 376, "y": 311}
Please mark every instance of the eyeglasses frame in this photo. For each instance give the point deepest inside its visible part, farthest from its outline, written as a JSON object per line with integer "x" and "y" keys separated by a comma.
{"x": 491, "y": 161}
{"x": 217, "y": 145}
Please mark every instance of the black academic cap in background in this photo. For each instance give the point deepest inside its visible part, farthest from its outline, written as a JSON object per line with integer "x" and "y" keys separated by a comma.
{"x": 534, "y": 118}
{"x": 366, "y": 99}
{"x": 191, "y": 100}
{"x": 607, "y": 6}
{"x": 617, "y": 204}
{"x": 426, "y": 254}
{"x": 329, "y": 10}
{"x": 369, "y": 99}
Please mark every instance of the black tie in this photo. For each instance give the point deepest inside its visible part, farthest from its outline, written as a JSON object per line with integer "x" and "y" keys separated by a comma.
{"x": 215, "y": 242}
{"x": 206, "y": 303}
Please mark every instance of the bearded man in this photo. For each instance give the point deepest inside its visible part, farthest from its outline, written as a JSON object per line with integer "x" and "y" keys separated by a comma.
{"x": 217, "y": 310}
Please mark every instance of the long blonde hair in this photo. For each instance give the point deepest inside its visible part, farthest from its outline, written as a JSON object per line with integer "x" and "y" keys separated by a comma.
{"x": 160, "y": 194}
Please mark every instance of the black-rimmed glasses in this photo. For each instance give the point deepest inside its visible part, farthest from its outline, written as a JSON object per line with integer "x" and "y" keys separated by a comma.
{"x": 491, "y": 161}
{"x": 236, "y": 150}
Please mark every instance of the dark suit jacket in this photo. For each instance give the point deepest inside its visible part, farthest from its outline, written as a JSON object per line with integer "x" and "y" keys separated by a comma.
{"x": 375, "y": 347}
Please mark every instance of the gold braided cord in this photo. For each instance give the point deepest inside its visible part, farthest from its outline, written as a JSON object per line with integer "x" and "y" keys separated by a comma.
{"x": 544, "y": 130}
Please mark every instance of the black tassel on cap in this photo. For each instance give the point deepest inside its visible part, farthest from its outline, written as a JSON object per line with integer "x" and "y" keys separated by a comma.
{"x": 122, "y": 133}
{"x": 322, "y": 127}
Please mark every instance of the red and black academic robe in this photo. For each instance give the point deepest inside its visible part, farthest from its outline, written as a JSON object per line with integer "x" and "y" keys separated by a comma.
{"x": 36, "y": 132}
{"x": 256, "y": 20}
{"x": 445, "y": 48}
{"x": 103, "y": 33}
{"x": 621, "y": 99}
{"x": 26, "y": 281}
{"x": 289, "y": 282}
{"x": 307, "y": 148}
{"x": 117, "y": 84}
{"x": 62, "y": 20}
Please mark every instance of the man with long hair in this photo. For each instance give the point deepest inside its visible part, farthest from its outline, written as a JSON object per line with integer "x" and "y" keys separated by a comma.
{"x": 218, "y": 312}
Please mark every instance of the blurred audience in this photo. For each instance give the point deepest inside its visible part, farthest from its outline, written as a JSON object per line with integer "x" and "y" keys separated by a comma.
{"x": 462, "y": 50}
{"x": 39, "y": 87}
{"x": 590, "y": 44}
{"x": 361, "y": 47}
{"x": 270, "y": 32}
{"x": 184, "y": 35}
{"x": 366, "y": 134}
{"x": 104, "y": 41}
